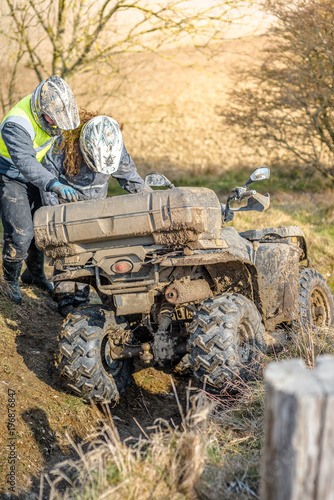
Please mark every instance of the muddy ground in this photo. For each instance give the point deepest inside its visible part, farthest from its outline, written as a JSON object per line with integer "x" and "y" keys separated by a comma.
{"x": 46, "y": 415}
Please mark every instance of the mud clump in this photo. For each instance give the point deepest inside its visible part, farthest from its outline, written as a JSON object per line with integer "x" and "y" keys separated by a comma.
{"x": 175, "y": 238}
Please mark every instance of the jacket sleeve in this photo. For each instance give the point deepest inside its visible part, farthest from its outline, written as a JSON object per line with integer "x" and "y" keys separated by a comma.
{"x": 127, "y": 175}
{"x": 22, "y": 153}
{"x": 53, "y": 162}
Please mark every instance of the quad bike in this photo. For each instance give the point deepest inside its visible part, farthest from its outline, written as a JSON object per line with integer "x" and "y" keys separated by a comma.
{"x": 176, "y": 285}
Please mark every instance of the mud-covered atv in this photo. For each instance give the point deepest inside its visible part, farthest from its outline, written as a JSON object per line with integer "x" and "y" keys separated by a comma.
{"x": 176, "y": 287}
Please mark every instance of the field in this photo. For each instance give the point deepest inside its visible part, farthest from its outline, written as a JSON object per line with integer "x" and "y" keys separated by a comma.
{"x": 201, "y": 446}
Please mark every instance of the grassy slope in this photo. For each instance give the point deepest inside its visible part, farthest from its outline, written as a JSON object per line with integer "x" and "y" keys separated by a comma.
{"x": 44, "y": 413}
{"x": 214, "y": 454}
{"x": 172, "y": 127}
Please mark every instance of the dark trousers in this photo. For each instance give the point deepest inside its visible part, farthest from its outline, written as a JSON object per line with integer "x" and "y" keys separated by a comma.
{"x": 18, "y": 203}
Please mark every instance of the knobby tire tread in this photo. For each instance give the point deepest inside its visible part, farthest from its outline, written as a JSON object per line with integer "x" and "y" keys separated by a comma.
{"x": 79, "y": 355}
{"x": 213, "y": 341}
{"x": 308, "y": 280}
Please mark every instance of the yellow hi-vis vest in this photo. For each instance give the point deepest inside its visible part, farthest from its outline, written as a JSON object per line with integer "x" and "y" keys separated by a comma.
{"x": 21, "y": 115}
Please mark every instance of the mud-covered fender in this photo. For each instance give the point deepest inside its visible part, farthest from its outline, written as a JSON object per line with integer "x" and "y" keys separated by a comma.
{"x": 234, "y": 275}
{"x": 292, "y": 235}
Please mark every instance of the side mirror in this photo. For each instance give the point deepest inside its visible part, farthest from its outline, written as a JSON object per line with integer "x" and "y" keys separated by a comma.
{"x": 158, "y": 180}
{"x": 260, "y": 174}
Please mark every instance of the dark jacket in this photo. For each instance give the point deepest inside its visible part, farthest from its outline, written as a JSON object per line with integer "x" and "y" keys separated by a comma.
{"x": 89, "y": 184}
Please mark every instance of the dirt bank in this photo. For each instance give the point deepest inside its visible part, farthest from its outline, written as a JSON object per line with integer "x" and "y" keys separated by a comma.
{"x": 43, "y": 412}
{"x": 43, "y": 416}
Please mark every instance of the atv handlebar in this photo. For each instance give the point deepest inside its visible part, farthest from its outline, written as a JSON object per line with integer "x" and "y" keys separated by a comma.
{"x": 255, "y": 201}
{"x": 240, "y": 193}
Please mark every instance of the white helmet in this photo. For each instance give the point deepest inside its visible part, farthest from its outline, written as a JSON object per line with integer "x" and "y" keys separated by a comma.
{"x": 101, "y": 144}
{"x": 54, "y": 98}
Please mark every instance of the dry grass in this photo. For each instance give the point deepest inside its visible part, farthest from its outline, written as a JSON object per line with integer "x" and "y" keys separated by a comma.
{"x": 166, "y": 463}
{"x": 214, "y": 454}
{"x": 234, "y": 441}
{"x": 307, "y": 344}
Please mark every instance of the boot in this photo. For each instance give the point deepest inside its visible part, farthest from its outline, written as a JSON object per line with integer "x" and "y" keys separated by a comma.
{"x": 34, "y": 274}
{"x": 11, "y": 274}
{"x": 70, "y": 295}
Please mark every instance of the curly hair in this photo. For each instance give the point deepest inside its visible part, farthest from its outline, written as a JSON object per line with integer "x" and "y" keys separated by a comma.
{"x": 71, "y": 146}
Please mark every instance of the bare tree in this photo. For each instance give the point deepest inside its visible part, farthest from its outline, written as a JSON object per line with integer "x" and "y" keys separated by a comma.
{"x": 71, "y": 37}
{"x": 287, "y": 103}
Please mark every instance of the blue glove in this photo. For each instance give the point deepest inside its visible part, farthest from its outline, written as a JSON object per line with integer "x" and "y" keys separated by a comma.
{"x": 66, "y": 192}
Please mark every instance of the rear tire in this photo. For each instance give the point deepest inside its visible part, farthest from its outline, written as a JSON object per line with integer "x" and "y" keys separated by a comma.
{"x": 227, "y": 340}
{"x": 82, "y": 358}
{"x": 316, "y": 306}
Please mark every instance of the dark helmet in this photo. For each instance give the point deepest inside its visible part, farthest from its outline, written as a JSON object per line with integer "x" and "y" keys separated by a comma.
{"x": 54, "y": 98}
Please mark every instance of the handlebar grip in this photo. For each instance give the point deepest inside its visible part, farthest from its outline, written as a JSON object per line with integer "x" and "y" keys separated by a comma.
{"x": 248, "y": 194}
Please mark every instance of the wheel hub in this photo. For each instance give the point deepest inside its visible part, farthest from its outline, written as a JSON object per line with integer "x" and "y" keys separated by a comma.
{"x": 319, "y": 308}
{"x": 114, "y": 365}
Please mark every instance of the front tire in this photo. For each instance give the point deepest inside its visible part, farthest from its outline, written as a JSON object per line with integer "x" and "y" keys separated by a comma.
{"x": 83, "y": 360}
{"x": 316, "y": 306}
{"x": 227, "y": 340}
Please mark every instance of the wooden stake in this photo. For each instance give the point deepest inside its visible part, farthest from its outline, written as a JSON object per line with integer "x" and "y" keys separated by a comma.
{"x": 298, "y": 454}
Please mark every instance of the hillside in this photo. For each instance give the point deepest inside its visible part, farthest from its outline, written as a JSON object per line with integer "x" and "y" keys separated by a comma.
{"x": 171, "y": 126}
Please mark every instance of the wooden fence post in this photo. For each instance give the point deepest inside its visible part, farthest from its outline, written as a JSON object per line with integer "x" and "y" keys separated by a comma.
{"x": 298, "y": 453}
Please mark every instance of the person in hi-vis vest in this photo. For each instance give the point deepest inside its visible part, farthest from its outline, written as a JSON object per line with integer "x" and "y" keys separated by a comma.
{"x": 26, "y": 134}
